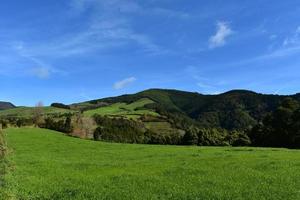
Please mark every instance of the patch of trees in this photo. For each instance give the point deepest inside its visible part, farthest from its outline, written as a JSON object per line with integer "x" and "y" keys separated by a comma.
{"x": 118, "y": 130}
{"x": 15, "y": 121}
{"x": 215, "y": 137}
{"x": 3, "y": 123}
{"x": 61, "y": 125}
{"x": 60, "y": 105}
{"x": 130, "y": 131}
{"x": 280, "y": 128}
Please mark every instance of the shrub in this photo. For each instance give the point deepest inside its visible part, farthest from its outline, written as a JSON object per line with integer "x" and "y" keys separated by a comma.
{"x": 60, "y": 105}
{"x": 62, "y": 125}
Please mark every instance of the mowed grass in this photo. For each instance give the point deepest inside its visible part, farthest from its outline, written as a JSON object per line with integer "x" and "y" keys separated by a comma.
{"x": 49, "y": 165}
{"x": 28, "y": 111}
{"x": 124, "y": 110}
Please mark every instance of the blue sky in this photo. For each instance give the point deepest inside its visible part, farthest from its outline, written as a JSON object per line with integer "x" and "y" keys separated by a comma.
{"x": 75, "y": 50}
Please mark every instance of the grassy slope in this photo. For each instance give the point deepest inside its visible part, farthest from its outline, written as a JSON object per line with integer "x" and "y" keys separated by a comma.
{"x": 123, "y": 109}
{"x": 49, "y": 165}
{"x": 160, "y": 127}
{"x": 2, "y": 163}
{"x": 28, "y": 111}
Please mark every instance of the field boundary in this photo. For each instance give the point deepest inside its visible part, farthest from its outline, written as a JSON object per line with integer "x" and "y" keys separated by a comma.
{"x": 4, "y": 164}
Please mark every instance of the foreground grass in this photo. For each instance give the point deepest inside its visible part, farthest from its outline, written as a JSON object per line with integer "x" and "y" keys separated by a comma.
{"x": 49, "y": 165}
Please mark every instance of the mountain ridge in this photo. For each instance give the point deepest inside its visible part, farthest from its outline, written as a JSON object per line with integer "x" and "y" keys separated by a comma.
{"x": 6, "y": 105}
{"x": 231, "y": 110}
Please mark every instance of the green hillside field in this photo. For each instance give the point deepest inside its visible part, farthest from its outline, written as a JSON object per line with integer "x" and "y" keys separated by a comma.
{"x": 132, "y": 111}
{"x": 46, "y": 164}
{"x": 28, "y": 111}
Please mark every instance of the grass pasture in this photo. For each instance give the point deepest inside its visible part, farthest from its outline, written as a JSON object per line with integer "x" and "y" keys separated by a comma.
{"x": 160, "y": 127}
{"x": 132, "y": 110}
{"x": 27, "y": 112}
{"x": 50, "y": 165}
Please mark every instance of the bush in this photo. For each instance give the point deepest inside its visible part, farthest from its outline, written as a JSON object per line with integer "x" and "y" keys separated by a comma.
{"x": 60, "y": 105}
{"x": 119, "y": 130}
{"x": 61, "y": 125}
{"x": 190, "y": 137}
{"x": 3, "y": 123}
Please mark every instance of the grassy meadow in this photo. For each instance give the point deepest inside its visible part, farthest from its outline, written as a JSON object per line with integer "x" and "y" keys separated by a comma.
{"x": 27, "y": 112}
{"x": 49, "y": 165}
{"x": 130, "y": 111}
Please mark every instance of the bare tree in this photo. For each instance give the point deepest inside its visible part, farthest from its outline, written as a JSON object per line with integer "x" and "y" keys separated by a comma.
{"x": 84, "y": 126}
{"x": 38, "y": 114}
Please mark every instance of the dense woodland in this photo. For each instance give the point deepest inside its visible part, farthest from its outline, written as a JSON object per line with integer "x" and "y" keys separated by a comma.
{"x": 236, "y": 118}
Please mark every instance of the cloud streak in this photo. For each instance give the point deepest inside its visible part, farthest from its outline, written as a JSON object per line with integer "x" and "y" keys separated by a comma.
{"x": 221, "y": 35}
{"x": 293, "y": 40}
{"x": 124, "y": 83}
{"x": 41, "y": 72}
{"x": 109, "y": 26}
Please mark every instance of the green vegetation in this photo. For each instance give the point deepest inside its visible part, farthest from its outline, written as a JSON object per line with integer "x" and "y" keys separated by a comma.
{"x": 27, "y": 112}
{"x": 49, "y": 165}
{"x": 225, "y": 119}
{"x": 159, "y": 126}
{"x": 3, "y": 163}
{"x": 233, "y": 110}
{"x": 131, "y": 111}
{"x": 280, "y": 128}
{"x": 156, "y": 116}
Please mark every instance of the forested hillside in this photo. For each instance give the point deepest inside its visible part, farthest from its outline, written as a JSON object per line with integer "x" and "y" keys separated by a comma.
{"x": 6, "y": 105}
{"x": 157, "y": 116}
{"x": 233, "y": 110}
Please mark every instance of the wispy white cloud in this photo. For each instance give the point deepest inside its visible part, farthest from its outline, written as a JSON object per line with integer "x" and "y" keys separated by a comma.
{"x": 41, "y": 72}
{"x": 220, "y": 37}
{"x": 19, "y": 62}
{"x": 207, "y": 85}
{"x": 124, "y": 83}
{"x": 169, "y": 13}
{"x": 293, "y": 39}
{"x": 109, "y": 26}
{"x": 288, "y": 48}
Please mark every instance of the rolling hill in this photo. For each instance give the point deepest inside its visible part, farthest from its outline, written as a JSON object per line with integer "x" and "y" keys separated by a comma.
{"x": 6, "y": 105}
{"x": 26, "y": 112}
{"x": 160, "y": 116}
{"x": 233, "y": 110}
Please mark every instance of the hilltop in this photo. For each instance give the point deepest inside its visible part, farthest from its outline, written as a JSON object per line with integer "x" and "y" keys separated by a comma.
{"x": 235, "y": 109}
{"x": 6, "y": 105}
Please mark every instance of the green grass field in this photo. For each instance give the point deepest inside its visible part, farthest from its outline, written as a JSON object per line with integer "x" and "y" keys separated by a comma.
{"x": 160, "y": 127}
{"x": 28, "y": 111}
{"x": 48, "y": 165}
{"x": 124, "y": 110}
